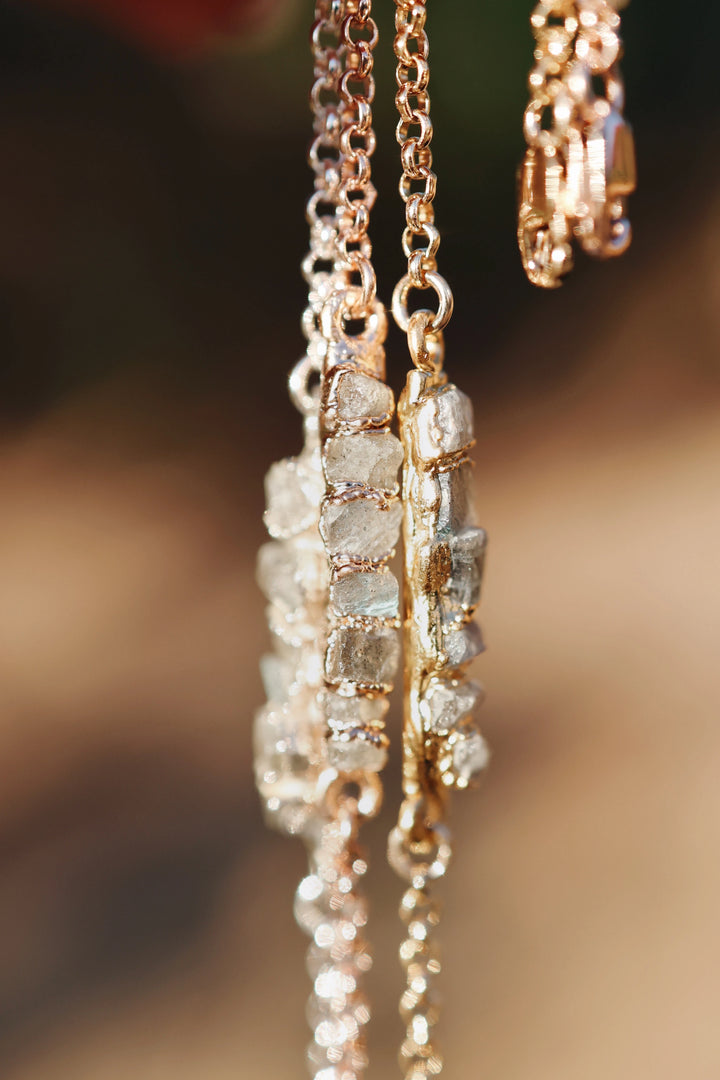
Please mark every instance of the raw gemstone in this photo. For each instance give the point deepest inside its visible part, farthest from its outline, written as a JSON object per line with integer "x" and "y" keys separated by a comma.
{"x": 372, "y": 593}
{"x": 276, "y": 574}
{"x": 293, "y": 628}
{"x": 361, "y": 528}
{"x": 364, "y": 657}
{"x": 357, "y": 750}
{"x": 358, "y": 711}
{"x": 291, "y": 572}
{"x": 448, "y": 701}
{"x": 294, "y": 488}
{"x": 461, "y": 593}
{"x": 455, "y": 510}
{"x": 471, "y": 755}
{"x": 278, "y": 675}
{"x": 287, "y": 751}
{"x": 366, "y": 457}
{"x": 444, "y": 423}
{"x": 462, "y": 644}
{"x": 360, "y": 397}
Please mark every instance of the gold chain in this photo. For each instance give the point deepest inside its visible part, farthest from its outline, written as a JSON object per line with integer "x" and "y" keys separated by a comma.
{"x": 580, "y": 164}
{"x": 356, "y": 90}
{"x": 325, "y": 160}
{"x": 418, "y": 185}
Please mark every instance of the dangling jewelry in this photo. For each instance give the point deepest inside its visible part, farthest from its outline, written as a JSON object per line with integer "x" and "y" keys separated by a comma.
{"x": 580, "y": 164}
{"x": 444, "y": 554}
{"x": 334, "y": 513}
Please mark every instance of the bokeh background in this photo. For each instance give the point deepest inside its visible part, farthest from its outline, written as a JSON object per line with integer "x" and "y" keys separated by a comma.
{"x": 151, "y": 227}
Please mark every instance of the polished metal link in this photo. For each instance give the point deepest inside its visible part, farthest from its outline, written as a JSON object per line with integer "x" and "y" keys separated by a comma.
{"x": 356, "y": 193}
{"x": 325, "y": 157}
{"x": 418, "y": 183}
{"x": 580, "y": 164}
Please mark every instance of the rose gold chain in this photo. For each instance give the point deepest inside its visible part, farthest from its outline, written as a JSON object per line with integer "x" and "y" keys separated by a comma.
{"x": 418, "y": 185}
{"x": 324, "y": 157}
{"x": 356, "y": 90}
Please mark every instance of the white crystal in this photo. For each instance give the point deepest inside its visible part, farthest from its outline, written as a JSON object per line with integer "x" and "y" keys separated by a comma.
{"x": 287, "y": 751}
{"x": 467, "y": 558}
{"x": 293, "y": 572}
{"x": 277, "y": 573}
{"x": 364, "y": 657}
{"x": 455, "y": 509}
{"x": 360, "y": 397}
{"x": 278, "y": 675}
{"x": 372, "y": 593}
{"x": 462, "y": 644}
{"x": 365, "y": 457}
{"x": 471, "y": 755}
{"x": 359, "y": 711}
{"x": 293, "y": 489}
{"x": 353, "y": 751}
{"x": 444, "y": 423}
{"x": 361, "y": 528}
{"x": 448, "y": 701}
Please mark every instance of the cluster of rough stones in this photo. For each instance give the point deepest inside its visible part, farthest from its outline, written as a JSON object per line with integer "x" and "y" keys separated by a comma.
{"x": 360, "y": 524}
{"x": 292, "y": 572}
{"x": 451, "y": 557}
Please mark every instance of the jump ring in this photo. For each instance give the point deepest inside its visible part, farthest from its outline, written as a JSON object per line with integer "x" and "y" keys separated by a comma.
{"x": 442, "y": 290}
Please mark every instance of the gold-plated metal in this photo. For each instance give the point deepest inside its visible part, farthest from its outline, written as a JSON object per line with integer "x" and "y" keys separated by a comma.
{"x": 579, "y": 167}
{"x": 443, "y": 556}
{"x": 320, "y": 739}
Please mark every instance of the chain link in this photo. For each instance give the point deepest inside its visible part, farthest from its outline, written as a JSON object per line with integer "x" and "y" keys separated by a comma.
{"x": 325, "y": 159}
{"x": 580, "y": 164}
{"x": 356, "y": 194}
{"x": 418, "y": 183}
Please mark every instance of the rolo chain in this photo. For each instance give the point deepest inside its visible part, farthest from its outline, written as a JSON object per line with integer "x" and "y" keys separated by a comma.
{"x": 580, "y": 165}
{"x": 356, "y": 91}
{"x": 418, "y": 185}
{"x": 324, "y": 158}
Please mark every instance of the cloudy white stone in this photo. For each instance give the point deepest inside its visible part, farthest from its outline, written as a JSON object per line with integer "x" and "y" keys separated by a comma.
{"x": 365, "y": 657}
{"x": 278, "y": 674}
{"x": 446, "y": 702}
{"x": 294, "y": 488}
{"x": 354, "y": 751}
{"x": 370, "y": 593}
{"x": 365, "y": 457}
{"x": 461, "y": 593}
{"x": 362, "y": 398}
{"x": 344, "y": 713}
{"x": 361, "y": 528}
{"x": 292, "y": 572}
{"x": 462, "y": 644}
{"x": 443, "y": 423}
{"x": 455, "y": 502}
{"x": 471, "y": 754}
{"x": 287, "y": 749}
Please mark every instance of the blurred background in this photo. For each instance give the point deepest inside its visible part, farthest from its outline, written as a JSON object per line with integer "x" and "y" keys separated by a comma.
{"x": 151, "y": 228}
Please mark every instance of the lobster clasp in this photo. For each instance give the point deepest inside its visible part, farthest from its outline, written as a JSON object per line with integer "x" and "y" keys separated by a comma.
{"x": 543, "y": 231}
{"x": 610, "y": 176}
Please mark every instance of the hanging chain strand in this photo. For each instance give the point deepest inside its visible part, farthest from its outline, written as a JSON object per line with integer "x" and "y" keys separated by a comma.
{"x": 322, "y": 213}
{"x": 418, "y": 185}
{"x": 419, "y": 1007}
{"x": 328, "y": 904}
{"x": 443, "y": 553}
{"x": 356, "y": 91}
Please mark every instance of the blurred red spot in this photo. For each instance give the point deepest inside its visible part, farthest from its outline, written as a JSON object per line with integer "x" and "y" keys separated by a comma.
{"x": 175, "y": 26}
